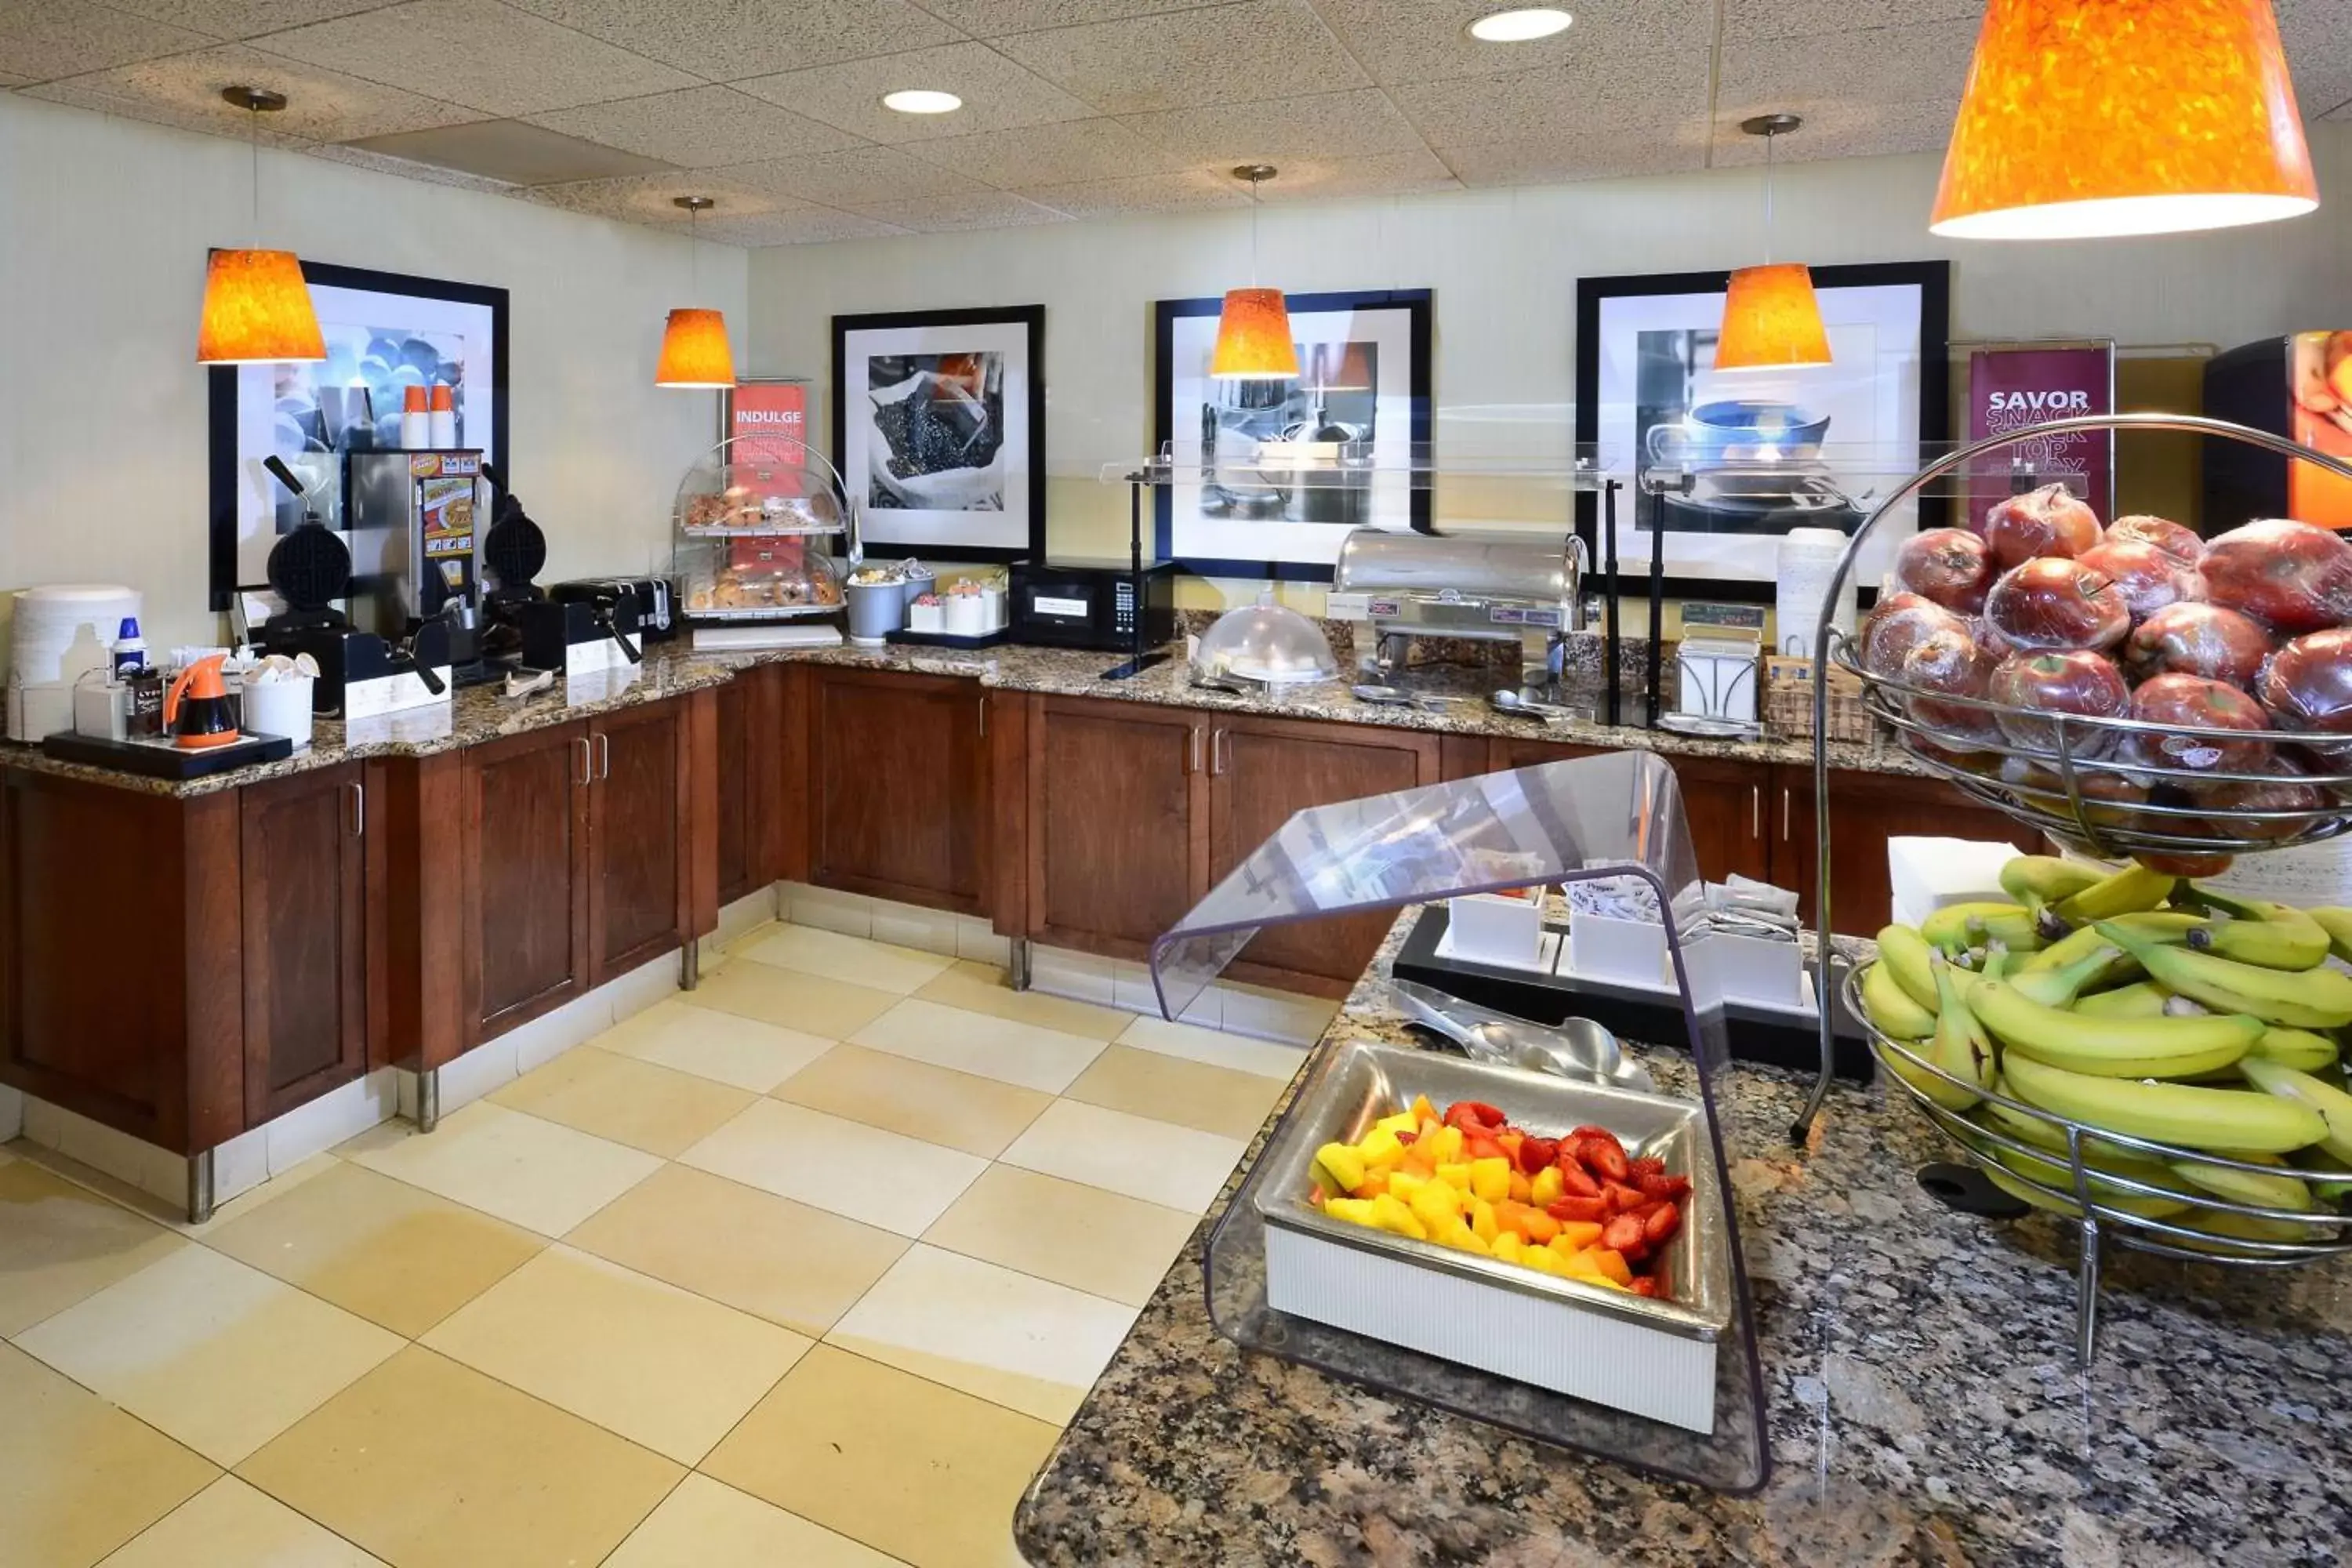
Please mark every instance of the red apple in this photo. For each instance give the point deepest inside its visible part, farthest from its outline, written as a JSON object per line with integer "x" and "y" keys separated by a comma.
{"x": 2074, "y": 682}
{"x": 1949, "y": 565}
{"x": 2187, "y": 865}
{"x": 1895, "y": 624}
{"x": 2181, "y": 543}
{"x": 2198, "y": 640}
{"x": 2147, "y": 577}
{"x": 2284, "y": 790}
{"x": 2050, "y": 520}
{"x": 2308, "y": 685}
{"x": 2107, "y": 796}
{"x": 2291, "y": 576}
{"x": 2196, "y": 703}
{"x": 1950, "y": 662}
{"x": 2055, "y": 602}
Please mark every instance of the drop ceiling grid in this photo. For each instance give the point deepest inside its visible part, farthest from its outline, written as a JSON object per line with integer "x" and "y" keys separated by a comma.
{"x": 1105, "y": 106}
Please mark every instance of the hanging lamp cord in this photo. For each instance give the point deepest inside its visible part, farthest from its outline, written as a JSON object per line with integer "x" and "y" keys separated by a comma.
{"x": 1770, "y": 137}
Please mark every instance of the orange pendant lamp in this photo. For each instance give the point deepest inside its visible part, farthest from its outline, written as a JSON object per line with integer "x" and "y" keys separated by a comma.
{"x": 1254, "y": 329}
{"x": 257, "y": 309}
{"x": 2086, "y": 118}
{"x": 1770, "y": 319}
{"x": 694, "y": 352}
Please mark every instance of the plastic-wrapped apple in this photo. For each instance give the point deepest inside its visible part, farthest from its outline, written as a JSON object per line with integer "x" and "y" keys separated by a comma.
{"x": 2187, "y": 865}
{"x": 2056, "y": 602}
{"x": 2187, "y": 638}
{"x": 2073, "y": 682}
{"x": 1895, "y": 626}
{"x": 1950, "y": 566}
{"x": 2147, "y": 577}
{"x": 2291, "y": 576}
{"x": 2051, "y": 521}
{"x": 2108, "y": 795}
{"x": 2309, "y": 685}
{"x": 2196, "y": 703}
{"x": 2251, "y": 808}
{"x": 1950, "y": 662}
{"x": 2181, "y": 543}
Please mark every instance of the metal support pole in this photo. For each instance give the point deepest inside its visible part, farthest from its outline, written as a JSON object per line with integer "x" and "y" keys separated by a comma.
{"x": 689, "y": 964}
{"x": 1017, "y": 968}
{"x": 200, "y": 1187}
{"x": 428, "y": 1100}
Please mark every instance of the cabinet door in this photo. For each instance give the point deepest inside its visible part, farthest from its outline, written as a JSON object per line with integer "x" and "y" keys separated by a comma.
{"x": 1263, "y": 771}
{"x": 1117, "y": 833}
{"x": 636, "y": 892}
{"x": 1868, "y": 809}
{"x": 737, "y": 875}
{"x": 526, "y": 868}
{"x": 1505, "y": 752}
{"x": 305, "y": 937}
{"x": 900, "y": 787}
{"x": 1727, "y": 804}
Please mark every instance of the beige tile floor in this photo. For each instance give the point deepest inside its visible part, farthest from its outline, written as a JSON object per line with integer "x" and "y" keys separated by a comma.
{"x": 803, "y": 1268}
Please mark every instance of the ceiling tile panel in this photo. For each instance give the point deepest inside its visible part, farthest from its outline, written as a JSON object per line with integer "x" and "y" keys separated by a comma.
{"x": 994, "y": 18}
{"x": 1062, "y": 153}
{"x": 976, "y": 209}
{"x": 1550, "y": 105}
{"x": 858, "y": 177}
{"x": 184, "y": 90}
{"x": 1597, "y": 155}
{"x": 726, "y": 40}
{"x": 1224, "y": 54}
{"x": 997, "y": 94}
{"x": 698, "y": 127}
{"x": 408, "y": 169}
{"x": 1844, "y": 129}
{"x": 1424, "y": 40}
{"x": 1747, "y": 19}
{"x": 43, "y": 39}
{"x": 800, "y": 226}
{"x": 1389, "y": 173}
{"x": 1189, "y": 190}
{"x": 478, "y": 53}
{"x": 1896, "y": 83}
{"x": 243, "y": 18}
{"x": 2318, "y": 38}
{"x": 1322, "y": 125}
{"x": 653, "y": 198}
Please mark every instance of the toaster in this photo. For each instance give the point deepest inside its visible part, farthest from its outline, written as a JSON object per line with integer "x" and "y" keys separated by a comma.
{"x": 657, "y": 603}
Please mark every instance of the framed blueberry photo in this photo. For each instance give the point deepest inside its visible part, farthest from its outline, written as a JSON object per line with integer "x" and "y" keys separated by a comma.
{"x": 1266, "y": 478}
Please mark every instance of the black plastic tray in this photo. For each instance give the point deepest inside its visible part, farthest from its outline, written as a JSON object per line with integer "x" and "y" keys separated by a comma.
{"x": 1651, "y": 1017}
{"x": 946, "y": 639}
{"x": 161, "y": 760}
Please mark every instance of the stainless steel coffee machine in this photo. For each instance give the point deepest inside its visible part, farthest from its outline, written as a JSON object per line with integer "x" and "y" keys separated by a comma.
{"x": 1501, "y": 587}
{"x": 415, "y": 557}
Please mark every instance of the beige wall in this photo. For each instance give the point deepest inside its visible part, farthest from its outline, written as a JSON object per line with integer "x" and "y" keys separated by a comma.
{"x": 1503, "y": 265}
{"x": 103, "y": 228}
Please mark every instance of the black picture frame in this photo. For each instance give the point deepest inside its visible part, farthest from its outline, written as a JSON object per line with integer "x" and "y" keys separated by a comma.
{"x": 221, "y": 391}
{"x": 1934, "y": 282}
{"x": 1419, "y": 307}
{"x": 873, "y": 522}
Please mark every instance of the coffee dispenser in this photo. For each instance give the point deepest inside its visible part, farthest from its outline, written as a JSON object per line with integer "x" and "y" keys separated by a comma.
{"x": 414, "y": 556}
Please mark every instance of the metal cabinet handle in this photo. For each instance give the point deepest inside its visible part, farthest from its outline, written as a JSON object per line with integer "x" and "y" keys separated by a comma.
{"x": 1784, "y": 814}
{"x": 1192, "y": 748}
{"x": 603, "y": 754}
{"x": 1217, "y": 752}
{"x": 1756, "y": 811}
{"x": 984, "y": 715}
{"x": 587, "y": 761}
{"x": 359, "y": 810}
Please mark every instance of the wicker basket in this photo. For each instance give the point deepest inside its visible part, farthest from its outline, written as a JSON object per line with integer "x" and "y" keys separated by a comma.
{"x": 1789, "y": 701}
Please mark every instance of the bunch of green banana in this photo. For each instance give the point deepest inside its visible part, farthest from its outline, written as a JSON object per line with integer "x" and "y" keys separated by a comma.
{"x": 2301, "y": 999}
{"x": 2097, "y": 1154}
{"x": 1891, "y": 1007}
{"x": 2039, "y": 881}
{"x": 2297, "y": 1048}
{"x": 2255, "y": 930}
{"x": 2170, "y": 927}
{"x": 1958, "y": 1047}
{"x": 2262, "y": 1191}
{"x": 1956, "y": 928}
{"x": 2141, "y": 999}
{"x": 2125, "y": 892}
{"x": 2162, "y": 1046}
{"x": 1905, "y": 954}
{"x": 2332, "y": 1105}
{"x": 2337, "y": 924}
{"x": 2183, "y": 1114}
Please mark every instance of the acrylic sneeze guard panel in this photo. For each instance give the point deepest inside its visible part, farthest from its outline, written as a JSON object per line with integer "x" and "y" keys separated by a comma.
{"x": 1616, "y": 815}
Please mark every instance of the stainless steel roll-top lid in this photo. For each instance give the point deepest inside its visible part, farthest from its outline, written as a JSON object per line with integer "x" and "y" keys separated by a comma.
{"x": 1531, "y": 568}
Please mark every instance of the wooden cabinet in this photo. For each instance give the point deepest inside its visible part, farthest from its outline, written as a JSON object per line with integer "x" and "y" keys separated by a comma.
{"x": 637, "y": 887}
{"x": 899, "y": 803}
{"x": 305, "y": 939}
{"x": 1867, "y": 810}
{"x": 1264, "y": 770}
{"x": 1118, "y": 824}
{"x": 1728, "y": 809}
{"x": 524, "y": 853}
{"x": 752, "y": 807}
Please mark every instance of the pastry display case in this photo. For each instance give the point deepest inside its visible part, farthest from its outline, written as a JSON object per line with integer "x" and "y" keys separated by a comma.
{"x": 764, "y": 532}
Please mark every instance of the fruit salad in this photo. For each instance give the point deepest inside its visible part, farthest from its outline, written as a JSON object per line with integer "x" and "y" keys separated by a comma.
{"x": 1575, "y": 1207}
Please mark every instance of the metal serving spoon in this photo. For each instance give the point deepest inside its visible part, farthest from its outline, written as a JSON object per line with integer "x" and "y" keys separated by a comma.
{"x": 1578, "y": 1049}
{"x": 1520, "y": 707}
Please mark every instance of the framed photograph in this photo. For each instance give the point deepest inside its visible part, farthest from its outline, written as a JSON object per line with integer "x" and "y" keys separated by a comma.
{"x": 939, "y": 430}
{"x": 1360, "y": 404}
{"x": 1764, "y": 451}
{"x": 385, "y": 332}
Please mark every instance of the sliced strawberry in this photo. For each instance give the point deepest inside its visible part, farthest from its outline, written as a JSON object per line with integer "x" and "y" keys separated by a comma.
{"x": 1671, "y": 1189}
{"x": 1589, "y": 1131}
{"x": 1643, "y": 1285}
{"x": 1535, "y": 1153}
{"x": 1474, "y": 1115}
{"x": 1660, "y": 1227}
{"x": 1604, "y": 1154}
{"x": 1584, "y": 1211}
{"x": 1476, "y": 1148}
{"x": 1622, "y": 1199}
{"x": 1647, "y": 1166}
{"x": 1575, "y": 1180}
{"x": 1406, "y": 1138}
{"x": 1623, "y": 1234}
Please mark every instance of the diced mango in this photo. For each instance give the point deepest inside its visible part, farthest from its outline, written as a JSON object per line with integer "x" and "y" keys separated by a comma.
{"x": 1354, "y": 1211}
{"x": 1541, "y": 1259}
{"x": 1381, "y": 1147}
{"x": 1456, "y": 1175}
{"x": 1437, "y": 1206}
{"x": 1546, "y": 1187}
{"x": 1343, "y": 1163}
{"x": 1374, "y": 1184}
{"x": 1419, "y": 1162}
{"x": 1579, "y": 1265}
{"x": 1482, "y": 1220}
{"x": 1446, "y": 1145}
{"x": 1612, "y": 1264}
{"x": 1404, "y": 1183}
{"x": 1490, "y": 1179}
{"x": 1576, "y": 1235}
{"x": 1402, "y": 1121}
{"x": 1522, "y": 1190}
{"x": 1507, "y": 1245}
{"x": 1510, "y": 1141}
{"x": 1462, "y": 1239}
{"x": 1392, "y": 1215}
{"x": 1537, "y": 1227}
{"x": 1422, "y": 1111}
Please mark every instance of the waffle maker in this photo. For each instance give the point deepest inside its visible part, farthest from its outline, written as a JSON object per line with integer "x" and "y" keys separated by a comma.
{"x": 525, "y": 626}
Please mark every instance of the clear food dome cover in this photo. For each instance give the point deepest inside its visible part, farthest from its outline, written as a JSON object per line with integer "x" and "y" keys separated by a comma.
{"x": 1266, "y": 642}
{"x": 763, "y": 484}
{"x": 755, "y": 521}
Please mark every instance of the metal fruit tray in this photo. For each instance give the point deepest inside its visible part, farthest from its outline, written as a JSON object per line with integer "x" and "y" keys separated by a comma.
{"x": 2098, "y": 785}
{"x": 2096, "y": 1198}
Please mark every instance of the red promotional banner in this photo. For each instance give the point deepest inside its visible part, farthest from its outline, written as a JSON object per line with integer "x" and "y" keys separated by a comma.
{"x": 768, "y": 408}
{"x": 2013, "y": 388}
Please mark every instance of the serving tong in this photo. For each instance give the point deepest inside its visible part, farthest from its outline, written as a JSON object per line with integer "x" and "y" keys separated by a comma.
{"x": 1578, "y": 1049}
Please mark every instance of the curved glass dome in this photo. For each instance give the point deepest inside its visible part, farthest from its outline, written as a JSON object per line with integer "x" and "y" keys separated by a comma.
{"x": 1266, "y": 642}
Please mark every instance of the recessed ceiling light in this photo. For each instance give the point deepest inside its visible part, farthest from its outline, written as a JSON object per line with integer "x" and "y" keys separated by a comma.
{"x": 1521, "y": 27}
{"x": 922, "y": 101}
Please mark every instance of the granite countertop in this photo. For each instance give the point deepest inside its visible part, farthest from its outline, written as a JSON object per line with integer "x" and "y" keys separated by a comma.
{"x": 1924, "y": 1402}
{"x": 478, "y": 714}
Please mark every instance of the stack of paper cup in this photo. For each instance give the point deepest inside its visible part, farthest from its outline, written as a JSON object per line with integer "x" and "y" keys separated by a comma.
{"x": 1808, "y": 560}
{"x": 58, "y": 633}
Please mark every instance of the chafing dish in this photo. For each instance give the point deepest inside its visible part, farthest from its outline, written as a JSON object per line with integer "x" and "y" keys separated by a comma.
{"x": 1523, "y": 587}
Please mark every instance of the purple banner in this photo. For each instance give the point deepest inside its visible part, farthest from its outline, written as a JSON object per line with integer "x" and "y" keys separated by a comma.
{"x": 2009, "y": 389}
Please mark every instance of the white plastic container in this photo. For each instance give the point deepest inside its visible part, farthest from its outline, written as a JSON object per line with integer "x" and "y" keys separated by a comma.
{"x": 967, "y": 616}
{"x": 1494, "y": 928}
{"x": 280, "y": 707}
{"x": 1602, "y": 947}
